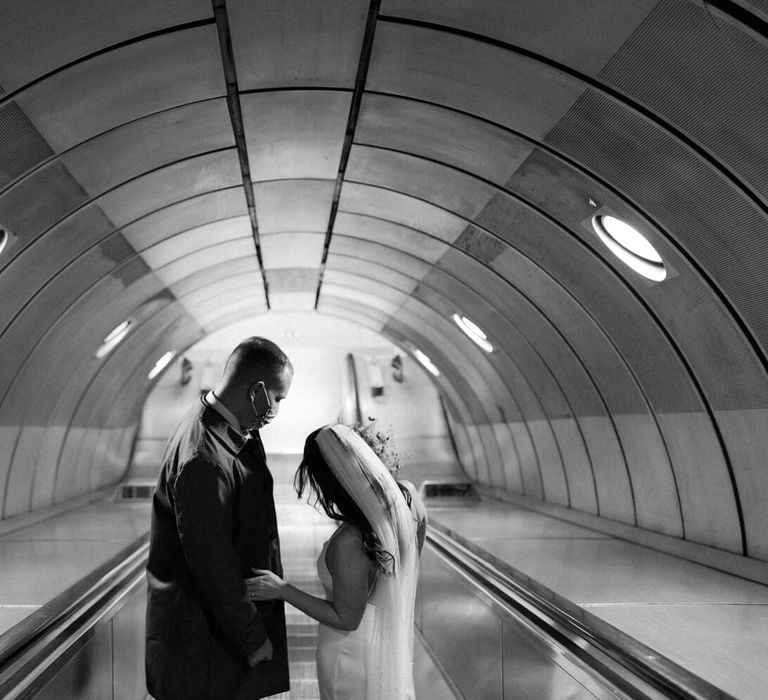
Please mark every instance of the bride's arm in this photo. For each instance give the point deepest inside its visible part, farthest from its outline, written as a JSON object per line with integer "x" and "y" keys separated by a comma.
{"x": 350, "y": 569}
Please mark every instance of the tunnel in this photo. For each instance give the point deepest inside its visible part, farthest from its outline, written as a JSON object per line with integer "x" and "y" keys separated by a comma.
{"x": 553, "y": 214}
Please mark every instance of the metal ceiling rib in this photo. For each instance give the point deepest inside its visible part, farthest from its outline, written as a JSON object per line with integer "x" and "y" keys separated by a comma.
{"x": 354, "y": 110}
{"x": 236, "y": 115}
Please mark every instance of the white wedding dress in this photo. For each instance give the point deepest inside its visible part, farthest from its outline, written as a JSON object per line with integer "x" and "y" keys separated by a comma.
{"x": 341, "y": 654}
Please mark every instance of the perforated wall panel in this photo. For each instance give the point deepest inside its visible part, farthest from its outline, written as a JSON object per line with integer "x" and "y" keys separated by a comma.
{"x": 21, "y": 146}
{"x": 697, "y": 208}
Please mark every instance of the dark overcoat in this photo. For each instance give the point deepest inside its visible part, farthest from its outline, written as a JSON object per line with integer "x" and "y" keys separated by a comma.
{"x": 213, "y": 519}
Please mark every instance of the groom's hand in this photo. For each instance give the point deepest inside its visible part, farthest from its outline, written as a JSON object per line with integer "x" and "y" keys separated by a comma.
{"x": 263, "y": 653}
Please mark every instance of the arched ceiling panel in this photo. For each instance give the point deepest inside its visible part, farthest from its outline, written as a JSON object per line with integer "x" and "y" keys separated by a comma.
{"x": 212, "y": 274}
{"x": 184, "y": 215}
{"x": 366, "y": 227}
{"x": 295, "y": 134}
{"x": 400, "y": 209}
{"x": 183, "y": 267}
{"x": 293, "y": 250}
{"x": 293, "y": 205}
{"x": 38, "y": 37}
{"x": 38, "y": 266}
{"x": 435, "y": 66}
{"x": 148, "y": 143}
{"x": 351, "y": 248}
{"x": 437, "y": 133}
{"x": 422, "y": 179}
{"x": 165, "y": 251}
{"x": 169, "y": 184}
{"x": 584, "y": 38}
{"x": 339, "y": 267}
{"x": 38, "y": 202}
{"x": 293, "y": 44}
{"x": 94, "y": 321}
{"x": 128, "y": 82}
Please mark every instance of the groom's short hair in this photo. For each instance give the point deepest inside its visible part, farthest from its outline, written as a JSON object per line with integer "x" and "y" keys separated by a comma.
{"x": 255, "y": 358}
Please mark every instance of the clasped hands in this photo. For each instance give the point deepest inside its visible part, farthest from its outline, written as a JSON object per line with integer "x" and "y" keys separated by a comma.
{"x": 265, "y": 585}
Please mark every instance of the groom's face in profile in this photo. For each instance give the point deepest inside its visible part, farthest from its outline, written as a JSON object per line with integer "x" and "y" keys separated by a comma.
{"x": 277, "y": 388}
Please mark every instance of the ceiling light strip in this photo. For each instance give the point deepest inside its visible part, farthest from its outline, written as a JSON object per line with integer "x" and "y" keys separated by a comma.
{"x": 236, "y": 117}
{"x": 349, "y": 135}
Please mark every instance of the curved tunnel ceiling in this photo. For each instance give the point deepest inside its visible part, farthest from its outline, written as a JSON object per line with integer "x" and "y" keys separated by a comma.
{"x": 192, "y": 163}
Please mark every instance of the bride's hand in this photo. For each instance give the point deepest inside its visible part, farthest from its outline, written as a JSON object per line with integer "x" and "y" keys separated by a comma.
{"x": 266, "y": 585}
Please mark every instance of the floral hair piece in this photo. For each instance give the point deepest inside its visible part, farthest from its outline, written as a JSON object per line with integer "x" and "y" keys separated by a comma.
{"x": 381, "y": 442}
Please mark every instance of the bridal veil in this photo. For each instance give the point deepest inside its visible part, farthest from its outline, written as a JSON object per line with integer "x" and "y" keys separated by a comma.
{"x": 389, "y": 655}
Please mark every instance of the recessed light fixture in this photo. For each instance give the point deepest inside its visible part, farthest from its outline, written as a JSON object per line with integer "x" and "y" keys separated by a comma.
{"x": 114, "y": 337}
{"x": 630, "y": 246}
{"x": 3, "y": 238}
{"x": 473, "y": 331}
{"x": 426, "y": 362}
{"x": 161, "y": 364}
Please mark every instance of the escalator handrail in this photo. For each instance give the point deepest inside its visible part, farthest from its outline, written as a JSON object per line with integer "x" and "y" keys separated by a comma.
{"x": 37, "y": 639}
{"x": 539, "y": 604}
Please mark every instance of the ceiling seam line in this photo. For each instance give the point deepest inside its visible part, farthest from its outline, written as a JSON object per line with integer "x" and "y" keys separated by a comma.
{"x": 238, "y": 128}
{"x": 354, "y": 111}
{"x": 100, "y": 52}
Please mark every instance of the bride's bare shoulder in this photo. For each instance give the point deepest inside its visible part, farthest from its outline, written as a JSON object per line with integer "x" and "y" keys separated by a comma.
{"x": 348, "y": 536}
{"x": 347, "y": 542}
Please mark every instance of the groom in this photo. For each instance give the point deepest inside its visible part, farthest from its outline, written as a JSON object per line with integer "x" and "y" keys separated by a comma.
{"x": 213, "y": 520}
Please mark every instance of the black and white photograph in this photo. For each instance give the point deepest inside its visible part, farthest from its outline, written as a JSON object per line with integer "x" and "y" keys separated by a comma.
{"x": 384, "y": 349}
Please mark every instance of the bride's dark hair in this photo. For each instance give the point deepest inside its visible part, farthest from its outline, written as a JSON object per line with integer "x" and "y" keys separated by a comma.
{"x": 314, "y": 475}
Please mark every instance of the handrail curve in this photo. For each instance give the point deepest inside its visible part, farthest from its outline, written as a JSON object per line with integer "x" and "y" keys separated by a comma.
{"x": 633, "y": 669}
{"x": 32, "y": 651}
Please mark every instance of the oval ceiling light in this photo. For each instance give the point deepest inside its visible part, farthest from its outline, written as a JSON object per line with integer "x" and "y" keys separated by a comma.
{"x": 3, "y": 238}
{"x": 426, "y": 362}
{"x": 630, "y": 246}
{"x": 161, "y": 364}
{"x": 473, "y": 331}
{"x": 114, "y": 337}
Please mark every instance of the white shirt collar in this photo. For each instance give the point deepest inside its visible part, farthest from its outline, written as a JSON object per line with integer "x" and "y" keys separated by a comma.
{"x": 216, "y": 404}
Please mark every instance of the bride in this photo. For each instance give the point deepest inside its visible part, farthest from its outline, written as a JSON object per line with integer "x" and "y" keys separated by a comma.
{"x": 368, "y": 568}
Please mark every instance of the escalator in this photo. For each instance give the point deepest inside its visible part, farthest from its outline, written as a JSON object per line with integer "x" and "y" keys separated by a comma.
{"x": 500, "y": 634}
{"x": 490, "y": 630}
